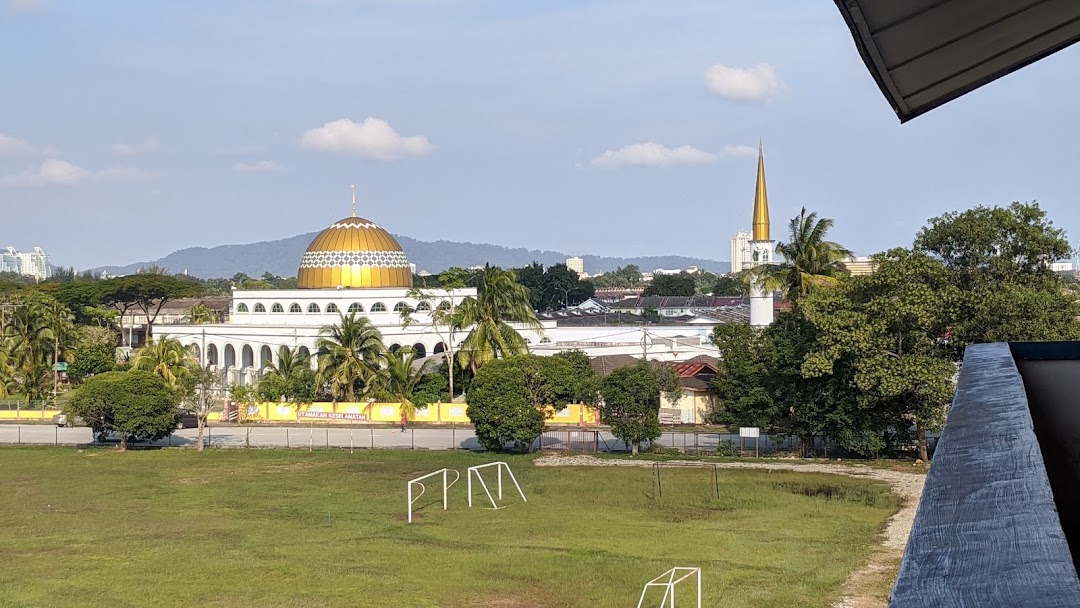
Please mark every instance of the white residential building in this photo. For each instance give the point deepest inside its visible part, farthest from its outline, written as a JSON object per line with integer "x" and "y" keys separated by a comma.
{"x": 577, "y": 265}
{"x": 740, "y": 252}
{"x": 31, "y": 263}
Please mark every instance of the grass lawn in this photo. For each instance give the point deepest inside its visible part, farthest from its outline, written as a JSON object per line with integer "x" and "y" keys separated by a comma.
{"x": 268, "y": 528}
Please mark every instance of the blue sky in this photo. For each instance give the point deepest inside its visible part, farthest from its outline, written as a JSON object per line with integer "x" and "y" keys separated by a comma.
{"x": 622, "y": 127}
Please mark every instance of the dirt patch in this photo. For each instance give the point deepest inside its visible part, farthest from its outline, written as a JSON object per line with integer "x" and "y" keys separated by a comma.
{"x": 190, "y": 481}
{"x": 292, "y": 466}
{"x": 867, "y": 587}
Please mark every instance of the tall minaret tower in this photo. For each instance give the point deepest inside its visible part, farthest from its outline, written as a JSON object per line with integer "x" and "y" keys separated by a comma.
{"x": 761, "y": 248}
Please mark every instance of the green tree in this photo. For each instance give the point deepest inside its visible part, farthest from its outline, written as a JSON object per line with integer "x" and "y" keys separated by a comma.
{"x": 730, "y": 286}
{"x": 290, "y": 379}
{"x": 200, "y": 391}
{"x": 1000, "y": 258}
{"x": 166, "y": 358}
{"x": 441, "y": 313}
{"x": 398, "y": 382}
{"x": 92, "y": 359}
{"x": 147, "y": 292}
{"x": 500, "y": 300}
{"x": 742, "y": 384}
{"x": 134, "y": 404}
{"x": 349, "y": 353}
{"x": 681, "y": 284}
{"x": 809, "y": 260}
{"x": 631, "y": 404}
{"x": 201, "y": 314}
{"x": 500, "y": 407}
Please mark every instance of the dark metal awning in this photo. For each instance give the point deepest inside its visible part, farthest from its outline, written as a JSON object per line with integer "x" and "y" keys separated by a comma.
{"x": 924, "y": 53}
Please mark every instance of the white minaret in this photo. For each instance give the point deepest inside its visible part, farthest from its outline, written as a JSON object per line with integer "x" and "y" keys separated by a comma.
{"x": 761, "y": 250}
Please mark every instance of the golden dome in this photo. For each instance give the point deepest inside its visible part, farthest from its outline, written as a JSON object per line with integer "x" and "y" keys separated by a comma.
{"x": 354, "y": 253}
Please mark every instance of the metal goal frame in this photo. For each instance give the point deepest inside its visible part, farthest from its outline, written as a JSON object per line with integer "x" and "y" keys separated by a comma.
{"x": 668, "y": 580}
{"x": 446, "y": 487}
{"x": 499, "y": 466}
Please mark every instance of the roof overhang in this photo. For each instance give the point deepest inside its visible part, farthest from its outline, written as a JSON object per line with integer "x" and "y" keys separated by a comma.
{"x": 925, "y": 53}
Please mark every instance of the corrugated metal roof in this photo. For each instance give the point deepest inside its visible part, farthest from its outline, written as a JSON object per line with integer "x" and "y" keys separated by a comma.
{"x": 925, "y": 53}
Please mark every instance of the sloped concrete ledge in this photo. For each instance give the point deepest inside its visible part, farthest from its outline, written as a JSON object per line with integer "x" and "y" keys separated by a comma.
{"x": 987, "y": 531}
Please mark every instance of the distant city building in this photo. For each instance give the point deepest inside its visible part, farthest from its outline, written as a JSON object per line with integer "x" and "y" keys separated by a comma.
{"x": 690, "y": 270}
{"x": 412, "y": 268}
{"x": 576, "y": 264}
{"x": 1061, "y": 266}
{"x": 740, "y": 252}
{"x": 31, "y": 263}
{"x": 860, "y": 266}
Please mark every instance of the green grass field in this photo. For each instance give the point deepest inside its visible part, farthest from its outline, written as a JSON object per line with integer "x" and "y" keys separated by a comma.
{"x": 229, "y": 528}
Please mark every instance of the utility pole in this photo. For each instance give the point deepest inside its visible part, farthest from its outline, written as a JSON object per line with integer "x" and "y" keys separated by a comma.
{"x": 645, "y": 343}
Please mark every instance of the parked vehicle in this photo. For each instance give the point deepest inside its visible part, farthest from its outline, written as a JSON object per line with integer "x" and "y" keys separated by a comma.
{"x": 188, "y": 420}
{"x": 61, "y": 420}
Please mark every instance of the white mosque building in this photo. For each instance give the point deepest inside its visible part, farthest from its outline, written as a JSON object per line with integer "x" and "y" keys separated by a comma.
{"x": 355, "y": 266}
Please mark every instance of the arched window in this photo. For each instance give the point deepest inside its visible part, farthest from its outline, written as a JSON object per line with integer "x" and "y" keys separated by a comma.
{"x": 313, "y": 307}
{"x": 241, "y": 307}
{"x": 331, "y": 307}
{"x": 420, "y": 350}
{"x": 260, "y": 308}
{"x": 355, "y": 307}
{"x": 278, "y": 308}
{"x": 395, "y": 347}
{"x": 295, "y": 308}
{"x": 439, "y": 348}
{"x": 545, "y": 340}
{"x": 528, "y": 341}
{"x": 378, "y": 307}
{"x": 444, "y": 305}
{"x": 423, "y": 307}
{"x": 400, "y": 307}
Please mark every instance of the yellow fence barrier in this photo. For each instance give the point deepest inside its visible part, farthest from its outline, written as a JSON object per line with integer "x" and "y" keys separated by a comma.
{"x": 388, "y": 413}
{"x": 28, "y": 414}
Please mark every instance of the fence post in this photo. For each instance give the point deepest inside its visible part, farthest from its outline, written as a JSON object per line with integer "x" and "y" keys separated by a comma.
{"x": 412, "y": 439}
{"x": 327, "y": 437}
{"x": 247, "y": 437}
{"x": 287, "y": 437}
{"x": 209, "y": 439}
{"x": 453, "y": 436}
{"x": 56, "y": 435}
{"x": 372, "y": 429}
{"x": 19, "y": 429}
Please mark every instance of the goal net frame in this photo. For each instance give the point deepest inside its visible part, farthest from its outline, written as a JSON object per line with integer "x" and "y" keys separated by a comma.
{"x": 668, "y": 581}
{"x": 446, "y": 488}
{"x": 499, "y": 466}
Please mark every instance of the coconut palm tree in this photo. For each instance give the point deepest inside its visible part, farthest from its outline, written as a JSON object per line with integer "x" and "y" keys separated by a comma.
{"x": 809, "y": 259}
{"x": 500, "y": 300}
{"x": 30, "y": 343}
{"x": 349, "y": 352}
{"x": 293, "y": 367}
{"x": 290, "y": 362}
{"x": 201, "y": 314}
{"x": 397, "y": 381}
{"x": 7, "y": 373}
{"x": 166, "y": 357}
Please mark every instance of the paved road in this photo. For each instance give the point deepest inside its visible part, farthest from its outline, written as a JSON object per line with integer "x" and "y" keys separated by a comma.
{"x": 370, "y": 437}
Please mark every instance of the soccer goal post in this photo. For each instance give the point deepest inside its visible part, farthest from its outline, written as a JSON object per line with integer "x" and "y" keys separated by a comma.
{"x": 668, "y": 582}
{"x": 499, "y": 467}
{"x": 445, "y": 473}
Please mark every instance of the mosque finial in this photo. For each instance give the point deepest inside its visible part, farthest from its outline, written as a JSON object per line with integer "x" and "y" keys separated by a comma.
{"x": 354, "y": 200}
{"x": 761, "y": 201}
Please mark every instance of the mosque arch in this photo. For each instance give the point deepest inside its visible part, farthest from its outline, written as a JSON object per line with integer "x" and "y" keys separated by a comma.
{"x": 277, "y": 308}
{"x": 211, "y": 355}
{"x": 304, "y": 352}
{"x": 247, "y": 357}
{"x": 196, "y": 352}
{"x": 230, "y": 356}
{"x": 395, "y": 347}
{"x": 355, "y": 308}
{"x": 444, "y": 305}
{"x": 439, "y": 348}
{"x": 378, "y": 307}
{"x": 545, "y": 340}
{"x": 295, "y": 309}
{"x": 332, "y": 308}
{"x": 423, "y": 307}
{"x": 241, "y": 308}
{"x": 259, "y": 307}
{"x": 400, "y": 307}
{"x": 313, "y": 308}
{"x": 420, "y": 350}
{"x": 266, "y": 357}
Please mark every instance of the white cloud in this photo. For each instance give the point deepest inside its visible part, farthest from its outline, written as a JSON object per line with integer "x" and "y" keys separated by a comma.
{"x": 756, "y": 84}
{"x": 61, "y": 172}
{"x": 652, "y": 154}
{"x": 262, "y": 166}
{"x": 133, "y": 149}
{"x": 735, "y": 150}
{"x": 373, "y": 139}
{"x": 11, "y": 146}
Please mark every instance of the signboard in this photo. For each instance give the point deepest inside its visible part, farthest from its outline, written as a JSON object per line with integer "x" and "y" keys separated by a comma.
{"x": 331, "y": 416}
{"x": 749, "y": 431}
{"x": 59, "y": 367}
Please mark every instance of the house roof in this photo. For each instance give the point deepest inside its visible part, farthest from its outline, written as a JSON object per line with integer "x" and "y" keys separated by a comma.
{"x": 660, "y": 302}
{"x": 925, "y": 53}
{"x": 605, "y": 364}
{"x": 689, "y": 369}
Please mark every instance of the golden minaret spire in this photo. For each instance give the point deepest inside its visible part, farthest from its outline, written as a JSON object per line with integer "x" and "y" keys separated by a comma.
{"x": 354, "y": 201}
{"x": 761, "y": 201}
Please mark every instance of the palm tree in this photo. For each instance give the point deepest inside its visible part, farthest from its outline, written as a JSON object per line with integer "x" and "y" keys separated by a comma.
{"x": 809, "y": 260}
{"x": 167, "y": 358}
{"x": 61, "y": 324}
{"x": 201, "y": 314}
{"x": 291, "y": 364}
{"x": 398, "y": 380}
{"x": 7, "y": 373}
{"x": 30, "y": 343}
{"x": 500, "y": 300}
{"x": 349, "y": 352}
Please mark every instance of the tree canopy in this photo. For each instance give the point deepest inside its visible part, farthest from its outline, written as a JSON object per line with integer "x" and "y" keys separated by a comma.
{"x": 134, "y": 404}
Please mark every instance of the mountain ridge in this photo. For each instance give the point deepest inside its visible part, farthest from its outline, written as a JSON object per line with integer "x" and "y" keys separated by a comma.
{"x": 282, "y": 257}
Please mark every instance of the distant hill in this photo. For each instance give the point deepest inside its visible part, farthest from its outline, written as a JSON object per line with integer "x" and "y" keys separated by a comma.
{"x": 282, "y": 257}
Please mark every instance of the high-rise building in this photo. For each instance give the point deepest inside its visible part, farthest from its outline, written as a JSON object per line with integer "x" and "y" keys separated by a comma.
{"x": 761, "y": 247}
{"x": 740, "y": 251}
{"x": 31, "y": 263}
{"x": 576, "y": 264}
